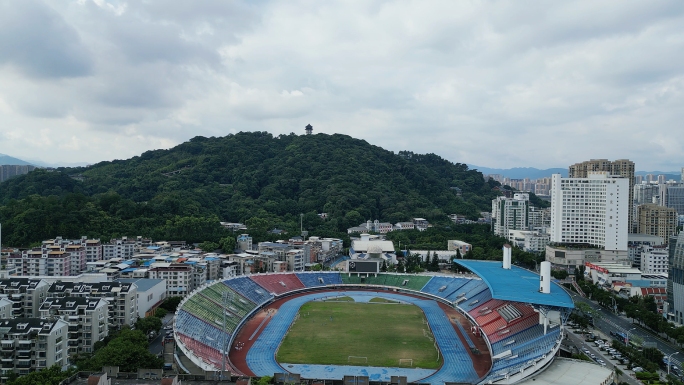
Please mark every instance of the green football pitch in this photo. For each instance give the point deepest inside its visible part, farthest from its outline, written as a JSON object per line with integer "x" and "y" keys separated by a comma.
{"x": 366, "y": 334}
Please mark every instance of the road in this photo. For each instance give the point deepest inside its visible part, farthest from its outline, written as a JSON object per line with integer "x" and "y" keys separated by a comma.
{"x": 155, "y": 346}
{"x": 579, "y": 342}
{"x": 610, "y": 321}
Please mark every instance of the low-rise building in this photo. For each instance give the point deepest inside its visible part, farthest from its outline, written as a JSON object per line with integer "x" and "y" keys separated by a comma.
{"x": 463, "y": 247}
{"x": 30, "y": 344}
{"x": 87, "y": 319}
{"x": 150, "y": 294}
{"x": 180, "y": 278}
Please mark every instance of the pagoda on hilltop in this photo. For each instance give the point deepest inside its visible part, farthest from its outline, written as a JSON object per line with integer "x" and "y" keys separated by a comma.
{"x": 309, "y": 129}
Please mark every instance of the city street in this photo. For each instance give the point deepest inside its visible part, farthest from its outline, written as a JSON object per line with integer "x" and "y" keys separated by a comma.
{"x": 155, "y": 346}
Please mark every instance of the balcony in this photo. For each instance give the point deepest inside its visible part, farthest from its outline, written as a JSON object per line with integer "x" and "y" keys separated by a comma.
{"x": 7, "y": 345}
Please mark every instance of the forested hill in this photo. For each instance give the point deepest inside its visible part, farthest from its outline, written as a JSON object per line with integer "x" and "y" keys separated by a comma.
{"x": 254, "y": 177}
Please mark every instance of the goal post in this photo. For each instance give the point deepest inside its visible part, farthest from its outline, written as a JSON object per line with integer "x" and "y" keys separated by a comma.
{"x": 357, "y": 360}
{"x": 406, "y": 362}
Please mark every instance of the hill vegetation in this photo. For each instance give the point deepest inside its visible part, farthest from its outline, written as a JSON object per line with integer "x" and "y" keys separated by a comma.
{"x": 255, "y": 178}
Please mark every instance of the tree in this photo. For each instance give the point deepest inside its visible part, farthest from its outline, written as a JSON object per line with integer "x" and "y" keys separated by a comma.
{"x": 148, "y": 324}
{"x": 50, "y": 376}
{"x": 400, "y": 267}
{"x": 383, "y": 268}
{"x": 559, "y": 274}
{"x": 208, "y": 247}
{"x": 160, "y": 312}
{"x": 129, "y": 351}
{"x": 434, "y": 264}
{"x": 228, "y": 244}
{"x": 171, "y": 303}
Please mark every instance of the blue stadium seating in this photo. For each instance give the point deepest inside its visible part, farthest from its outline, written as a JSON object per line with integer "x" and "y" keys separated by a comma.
{"x": 449, "y": 284}
{"x": 313, "y": 279}
{"x": 249, "y": 289}
{"x": 199, "y": 330}
{"x": 470, "y": 289}
{"x": 477, "y": 300}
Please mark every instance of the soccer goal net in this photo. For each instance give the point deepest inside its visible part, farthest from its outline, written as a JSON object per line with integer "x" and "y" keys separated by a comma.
{"x": 357, "y": 360}
{"x": 406, "y": 362}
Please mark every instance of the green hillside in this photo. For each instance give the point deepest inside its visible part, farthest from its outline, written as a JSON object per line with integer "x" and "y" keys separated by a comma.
{"x": 254, "y": 178}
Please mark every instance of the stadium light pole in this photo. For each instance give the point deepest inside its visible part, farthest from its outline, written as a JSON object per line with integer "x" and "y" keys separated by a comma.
{"x": 669, "y": 362}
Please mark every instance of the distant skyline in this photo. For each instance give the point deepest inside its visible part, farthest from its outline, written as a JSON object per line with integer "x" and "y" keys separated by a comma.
{"x": 499, "y": 84}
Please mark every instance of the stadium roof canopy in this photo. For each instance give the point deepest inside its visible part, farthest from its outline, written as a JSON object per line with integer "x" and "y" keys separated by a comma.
{"x": 516, "y": 284}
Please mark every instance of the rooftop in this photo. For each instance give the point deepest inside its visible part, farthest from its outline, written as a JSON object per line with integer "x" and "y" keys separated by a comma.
{"x": 516, "y": 284}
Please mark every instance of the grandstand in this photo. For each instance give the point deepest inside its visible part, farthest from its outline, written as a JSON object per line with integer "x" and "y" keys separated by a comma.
{"x": 521, "y": 327}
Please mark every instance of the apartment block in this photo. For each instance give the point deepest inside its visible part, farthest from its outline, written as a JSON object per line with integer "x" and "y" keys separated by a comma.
{"x": 150, "y": 294}
{"x": 655, "y": 261}
{"x": 26, "y": 295}
{"x": 87, "y": 319}
{"x": 44, "y": 261}
{"x": 657, "y": 220}
{"x": 30, "y": 344}
{"x": 181, "y": 279}
{"x": 675, "y": 279}
{"x": 121, "y": 298}
{"x": 510, "y": 214}
{"x": 591, "y": 211}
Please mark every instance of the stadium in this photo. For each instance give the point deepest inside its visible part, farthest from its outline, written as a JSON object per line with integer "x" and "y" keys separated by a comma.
{"x": 499, "y": 325}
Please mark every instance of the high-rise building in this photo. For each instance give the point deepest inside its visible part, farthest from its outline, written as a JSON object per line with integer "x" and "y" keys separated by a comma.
{"x": 675, "y": 279}
{"x": 590, "y": 211}
{"x": 682, "y": 177}
{"x": 620, "y": 167}
{"x": 645, "y": 192}
{"x": 656, "y": 220}
{"x": 672, "y": 195}
{"x": 510, "y": 214}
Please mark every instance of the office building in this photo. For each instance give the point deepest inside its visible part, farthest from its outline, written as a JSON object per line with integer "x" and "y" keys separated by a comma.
{"x": 510, "y": 214}
{"x": 620, "y": 167}
{"x": 675, "y": 279}
{"x": 672, "y": 195}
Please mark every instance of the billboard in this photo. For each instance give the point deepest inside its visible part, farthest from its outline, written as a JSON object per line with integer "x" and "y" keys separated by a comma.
{"x": 356, "y": 266}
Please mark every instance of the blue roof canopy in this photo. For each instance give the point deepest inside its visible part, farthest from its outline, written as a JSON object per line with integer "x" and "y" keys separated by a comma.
{"x": 516, "y": 284}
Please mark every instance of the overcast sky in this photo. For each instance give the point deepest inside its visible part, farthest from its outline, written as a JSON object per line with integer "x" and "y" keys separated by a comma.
{"x": 492, "y": 83}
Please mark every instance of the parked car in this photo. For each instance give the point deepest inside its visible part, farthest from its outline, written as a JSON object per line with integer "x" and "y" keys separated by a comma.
{"x": 637, "y": 369}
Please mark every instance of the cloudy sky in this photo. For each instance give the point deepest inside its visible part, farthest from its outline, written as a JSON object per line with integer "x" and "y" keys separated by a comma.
{"x": 492, "y": 83}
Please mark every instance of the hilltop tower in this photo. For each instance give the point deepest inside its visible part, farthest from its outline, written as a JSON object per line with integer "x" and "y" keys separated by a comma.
{"x": 309, "y": 129}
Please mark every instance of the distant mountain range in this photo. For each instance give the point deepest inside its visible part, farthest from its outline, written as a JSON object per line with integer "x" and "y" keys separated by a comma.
{"x": 535, "y": 173}
{"x": 521, "y": 172}
{"x": 8, "y": 160}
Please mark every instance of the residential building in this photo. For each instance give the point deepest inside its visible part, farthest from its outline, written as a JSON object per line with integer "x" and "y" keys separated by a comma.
{"x": 591, "y": 211}
{"x": 46, "y": 261}
{"x": 26, "y": 294}
{"x": 510, "y": 214}
{"x": 654, "y": 260}
{"x": 119, "y": 248}
{"x": 421, "y": 224}
{"x": 87, "y": 319}
{"x": 6, "y": 308}
{"x": 150, "y": 294}
{"x": 621, "y": 167}
{"x": 638, "y": 243}
{"x": 10, "y": 170}
{"x": 121, "y": 297}
{"x": 646, "y": 193}
{"x": 244, "y": 242}
{"x": 656, "y": 220}
{"x": 180, "y": 278}
{"x": 30, "y": 344}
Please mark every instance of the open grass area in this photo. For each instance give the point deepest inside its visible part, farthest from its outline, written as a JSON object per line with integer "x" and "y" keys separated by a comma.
{"x": 330, "y": 332}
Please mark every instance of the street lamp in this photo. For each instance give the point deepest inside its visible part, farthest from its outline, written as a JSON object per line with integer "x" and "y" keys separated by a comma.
{"x": 669, "y": 362}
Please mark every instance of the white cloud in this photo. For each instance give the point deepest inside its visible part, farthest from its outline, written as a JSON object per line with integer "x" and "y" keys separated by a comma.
{"x": 494, "y": 83}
